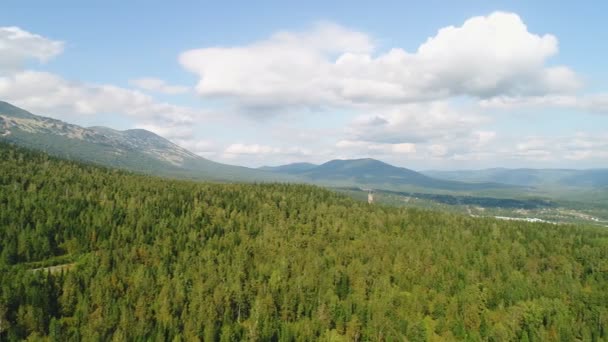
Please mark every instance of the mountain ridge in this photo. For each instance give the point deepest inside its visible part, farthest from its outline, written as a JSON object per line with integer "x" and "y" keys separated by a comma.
{"x": 289, "y": 167}
{"x": 144, "y": 151}
{"x": 561, "y": 177}
{"x": 133, "y": 149}
{"x": 375, "y": 173}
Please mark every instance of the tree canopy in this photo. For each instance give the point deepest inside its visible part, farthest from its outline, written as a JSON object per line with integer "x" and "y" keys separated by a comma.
{"x": 158, "y": 259}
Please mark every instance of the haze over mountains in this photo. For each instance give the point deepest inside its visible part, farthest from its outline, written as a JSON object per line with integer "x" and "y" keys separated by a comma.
{"x": 529, "y": 177}
{"x": 143, "y": 151}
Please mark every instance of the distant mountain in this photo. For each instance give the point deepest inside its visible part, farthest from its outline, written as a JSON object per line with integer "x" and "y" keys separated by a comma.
{"x": 289, "y": 168}
{"x": 376, "y": 174}
{"x": 588, "y": 178}
{"x": 529, "y": 177}
{"x": 135, "y": 149}
{"x": 143, "y": 151}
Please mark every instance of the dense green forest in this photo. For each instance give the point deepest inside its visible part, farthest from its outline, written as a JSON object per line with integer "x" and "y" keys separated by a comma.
{"x": 153, "y": 259}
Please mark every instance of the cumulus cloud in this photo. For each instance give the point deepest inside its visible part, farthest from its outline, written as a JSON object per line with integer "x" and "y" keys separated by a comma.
{"x": 437, "y": 150}
{"x": 51, "y": 95}
{"x": 588, "y": 149}
{"x": 429, "y": 131}
{"x": 594, "y": 103}
{"x": 483, "y": 137}
{"x": 17, "y": 46}
{"x": 286, "y": 69}
{"x": 365, "y": 148}
{"x": 261, "y": 152}
{"x": 485, "y": 149}
{"x": 493, "y": 55}
{"x": 236, "y": 149}
{"x": 158, "y": 86}
{"x": 48, "y": 93}
{"x": 407, "y": 106}
{"x": 580, "y": 146}
{"x": 333, "y": 65}
{"x": 414, "y": 123}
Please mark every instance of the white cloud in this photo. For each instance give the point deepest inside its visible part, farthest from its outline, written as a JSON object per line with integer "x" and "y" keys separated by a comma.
{"x": 46, "y": 92}
{"x": 414, "y": 107}
{"x": 414, "y": 123}
{"x": 49, "y": 94}
{"x": 488, "y": 149}
{"x": 493, "y": 55}
{"x": 589, "y": 149}
{"x": 595, "y": 103}
{"x": 158, "y": 85}
{"x": 260, "y": 153}
{"x": 236, "y": 149}
{"x": 403, "y": 148}
{"x": 580, "y": 146}
{"x": 437, "y": 150}
{"x": 366, "y": 148}
{"x": 424, "y": 132}
{"x": 332, "y": 65}
{"x": 287, "y": 69}
{"x": 484, "y": 137}
{"x": 17, "y": 46}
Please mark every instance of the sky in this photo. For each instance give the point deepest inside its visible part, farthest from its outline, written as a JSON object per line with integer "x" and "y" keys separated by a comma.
{"x": 424, "y": 85}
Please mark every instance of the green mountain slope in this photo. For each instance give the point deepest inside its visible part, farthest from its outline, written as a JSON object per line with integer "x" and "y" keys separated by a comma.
{"x": 137, "y": 150}
{"x": 376, "y": 174}
{"x": 290, "y": 168}
{"x": 143, "y": 258}
{"x": 143, "y": 151}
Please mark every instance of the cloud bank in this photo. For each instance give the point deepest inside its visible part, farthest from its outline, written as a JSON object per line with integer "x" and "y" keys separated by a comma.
{"x": 332, "y": 65}
{"x": 50, "y": 94}
{"x": 435, "y": 103}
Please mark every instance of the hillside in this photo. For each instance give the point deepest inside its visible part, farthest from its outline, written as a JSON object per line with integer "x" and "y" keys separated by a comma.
{"x": 143, "y": 151}
{"x": 376, "y": 174}
{"x": 290, "y": 168}
{"x": 146, "y": 258}
{"x": 136, "y": 149}
{"x": 529, "y": 177}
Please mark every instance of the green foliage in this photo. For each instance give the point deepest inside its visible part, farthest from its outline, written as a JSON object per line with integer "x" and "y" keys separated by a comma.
{"x": 175, "y": 260}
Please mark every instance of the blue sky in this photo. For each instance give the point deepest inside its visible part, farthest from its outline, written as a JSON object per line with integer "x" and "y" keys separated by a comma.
{"x": 515, "y": 84}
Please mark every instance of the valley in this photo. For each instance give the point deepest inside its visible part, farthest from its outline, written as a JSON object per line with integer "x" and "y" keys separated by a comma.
{"x": 544, "y": 209}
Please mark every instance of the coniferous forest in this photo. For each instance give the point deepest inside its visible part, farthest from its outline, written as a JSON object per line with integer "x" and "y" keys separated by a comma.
{"x": 89, "y": 253}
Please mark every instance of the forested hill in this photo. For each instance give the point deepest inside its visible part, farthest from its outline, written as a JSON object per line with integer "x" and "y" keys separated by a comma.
{"x": 151, "y": 259}
{"x": 373, "y": 173}
{"x": 134, "y": 149}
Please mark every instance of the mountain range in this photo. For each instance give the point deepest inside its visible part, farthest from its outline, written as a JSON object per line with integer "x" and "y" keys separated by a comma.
{"x": 134, "y": 149}
{"x": 146, "y": 152}
{"x": 537, "y": 178}
{"x": 374, "y": 174}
